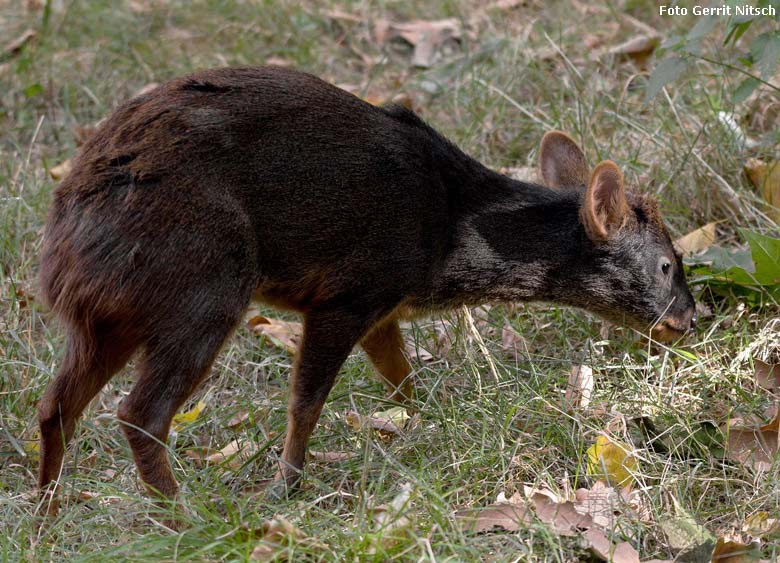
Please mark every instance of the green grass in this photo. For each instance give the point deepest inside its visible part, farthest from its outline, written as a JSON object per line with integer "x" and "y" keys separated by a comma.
{"x": 476, "y": 435}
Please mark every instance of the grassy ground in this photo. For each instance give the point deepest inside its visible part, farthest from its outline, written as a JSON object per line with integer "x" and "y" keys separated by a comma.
{"x": 517, "y": 73}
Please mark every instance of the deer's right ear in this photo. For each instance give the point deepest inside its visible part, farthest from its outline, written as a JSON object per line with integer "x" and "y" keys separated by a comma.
{"x": 562, "y": 162}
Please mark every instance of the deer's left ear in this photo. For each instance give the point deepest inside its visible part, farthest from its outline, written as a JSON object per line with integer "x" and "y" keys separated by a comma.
{"x": 605, "y": 208}
{"x": 561, "y": 161}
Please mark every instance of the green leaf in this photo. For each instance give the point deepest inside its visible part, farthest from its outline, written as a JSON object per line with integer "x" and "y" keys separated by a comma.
{"x": 745, "y": 88}
{"x": 766, "y": 257}
{"x": 667, "y": 71}
{"x": 33, "y": 90}
{"x": 703, "y": 27}
{"x": 737, "y": 30}
{"x": 770, "y": 55}
{"x": 720, "y": 259}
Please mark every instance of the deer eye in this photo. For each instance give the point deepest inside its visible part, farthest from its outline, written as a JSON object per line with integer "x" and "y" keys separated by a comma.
{"x": 666, "y": 266}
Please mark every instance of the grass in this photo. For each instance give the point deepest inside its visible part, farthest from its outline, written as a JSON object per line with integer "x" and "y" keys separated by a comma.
{"x": 518, "y": 73}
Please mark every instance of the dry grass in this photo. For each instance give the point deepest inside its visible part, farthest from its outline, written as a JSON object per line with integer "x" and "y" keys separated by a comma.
{"x": 517, "y": 73}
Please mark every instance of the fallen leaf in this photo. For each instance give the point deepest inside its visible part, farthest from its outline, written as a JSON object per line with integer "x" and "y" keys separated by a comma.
{"x": 279, "y": 61}
{"x": 513, "y": 342}
{"x": 61, "y": 170}
{"x": 729, "y": 551}
{"x": 622, "y": 552}
{"x": 528, "y": 174}
{"x": 507, "y": 516}
{"x": 283, "y": 334}
{"x": 579, "y": 388}
{"x": 234, "y": 455}
{"x": 277, "y": 535}
{"x": 767, "y": 375}
{"x": 561, "y": 516}
{"x": 238, "y": 419}
{"x": 612, "y": 461}
{"x": 391, "y": 526}
{"x": 342, "y": 15}
{"x": 331, "y": 457}
{"x": 15, "y": 46}
{"x": 685, "y": 535}
{"x": 183, "y": 419}
{"x": 384, "y": 426}
{"x": 766, "y": 177}
{"x": 760, "y": 525}
{"x": 601, "y": 502}
{"x": 32, "y": 447}
{"x": 755, "y": 447}
{"x": 696, "y": 241}
{"x": 426, "y": 37}
{"x": 638, "y": 48}
{"x": 145, "y": 89}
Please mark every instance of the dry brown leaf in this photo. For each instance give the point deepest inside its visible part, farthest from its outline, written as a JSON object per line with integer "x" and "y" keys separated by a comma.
{"x": 622, "y": 552}
{"x": 279, "y": 61}
{"x": 277, "y": 534}
{"x": 562, "y": 517}
{"x": 235, "y": 454}
{"x": 238, "y": 419}
{"x": 283, "y": 334}
{"x": 601, "y": 502}
{"x": 767, "y": 375}
{"x": 730, "y": 551}
{"x": 753, "y": 446}
{"x": 698, "y": 240}
{"x": 427, "y": 37}
{"x": 522, "y": 173}
{"x": 507, "y": 516}
{"x": 391, "y": 526}
{"x": 15, "y": 46}
{"x": 100, "y": 498}
{"x": 579, "y": 388}
{"x": 766, "y": 177}
{"x": 638, "y": 48}
{"x": 61, "y": 170}
{"x": 145, "y": 89}
{"x": 512, "y": 342}
{"x": 331, "y": 457}
{"x": 507, "y": 4}
{"x": 342, "y": 15}
{"x": 198, "y": 454}
{"x": 761, "y": 525}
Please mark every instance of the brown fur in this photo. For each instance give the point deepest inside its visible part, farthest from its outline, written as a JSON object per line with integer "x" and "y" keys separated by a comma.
{"x": 230, "y": 184}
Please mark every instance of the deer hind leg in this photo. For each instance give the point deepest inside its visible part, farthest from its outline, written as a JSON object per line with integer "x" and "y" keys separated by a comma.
{"x": 94, "y": 354}
{"x": 175, "y": 361}
{"x": 384, "y": 347}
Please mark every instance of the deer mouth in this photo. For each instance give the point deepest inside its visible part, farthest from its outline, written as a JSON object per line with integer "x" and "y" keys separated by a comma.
{"x": 667, "y": 331}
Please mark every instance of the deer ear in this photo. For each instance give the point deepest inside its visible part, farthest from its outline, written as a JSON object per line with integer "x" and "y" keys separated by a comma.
{"x": 562, "y": 162}
{"x": 605, "y": 208}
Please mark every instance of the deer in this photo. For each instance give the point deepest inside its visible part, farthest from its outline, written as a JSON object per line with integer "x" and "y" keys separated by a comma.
{"x": 235, "y": 185}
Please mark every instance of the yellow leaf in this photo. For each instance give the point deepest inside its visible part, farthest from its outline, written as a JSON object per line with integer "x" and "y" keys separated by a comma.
{"x": 396, "y": 415}
{"x": 184, "y": 418}
{"x": 698, "y": 240}
{"x": 612, "y": 460}
{"x": 32, "y": 447}
{"x": 766, "y": 177}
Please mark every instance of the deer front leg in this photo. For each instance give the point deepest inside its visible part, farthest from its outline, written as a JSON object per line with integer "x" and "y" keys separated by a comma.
{"x": 328, "y": 338}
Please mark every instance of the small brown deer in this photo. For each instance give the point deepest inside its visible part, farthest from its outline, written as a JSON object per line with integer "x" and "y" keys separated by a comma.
{"x": 269, "y": 184}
